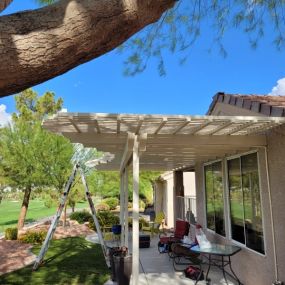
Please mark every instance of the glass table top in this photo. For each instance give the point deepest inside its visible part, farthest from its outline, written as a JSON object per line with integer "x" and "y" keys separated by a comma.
{"x": 217, "y": 249}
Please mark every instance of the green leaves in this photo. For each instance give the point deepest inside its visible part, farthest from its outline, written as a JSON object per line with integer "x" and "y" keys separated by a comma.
{"x": 31, "y": 156}
{"x": 46, "y": 2}
{"x": 179, "y": 28}
{"x": 33, "y": 108}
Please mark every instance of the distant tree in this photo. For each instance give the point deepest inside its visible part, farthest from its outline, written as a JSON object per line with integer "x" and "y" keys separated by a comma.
{"x": 33, "y": 108}
{"x": 30, "y": 156}
{"x": 107, "y": 184}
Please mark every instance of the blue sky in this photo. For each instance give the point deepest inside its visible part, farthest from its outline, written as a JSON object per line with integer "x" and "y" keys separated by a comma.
{"x": 100, "y": 86}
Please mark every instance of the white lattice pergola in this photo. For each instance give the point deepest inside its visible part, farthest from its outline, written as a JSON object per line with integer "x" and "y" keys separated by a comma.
{"x": 167, "y": 142}
{"x": 158, "y": 142}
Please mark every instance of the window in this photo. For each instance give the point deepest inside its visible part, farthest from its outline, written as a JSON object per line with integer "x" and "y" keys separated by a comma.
{"x": 245, "y": 203}
{"x": 214, "y": 197}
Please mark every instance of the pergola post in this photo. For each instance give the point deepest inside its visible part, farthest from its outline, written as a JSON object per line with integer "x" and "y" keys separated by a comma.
{"x": 126, "y": 215}
{"x": 178, "y": 191}
{"x": 122, "y": 205}
{"x": 135, "y": 265}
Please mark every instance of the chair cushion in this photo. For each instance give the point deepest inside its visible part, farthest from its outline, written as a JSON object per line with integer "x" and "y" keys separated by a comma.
{"x": 181, "y": 229}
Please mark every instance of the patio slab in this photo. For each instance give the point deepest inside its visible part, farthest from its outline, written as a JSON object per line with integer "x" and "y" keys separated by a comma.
{"x": 157, "y": 269}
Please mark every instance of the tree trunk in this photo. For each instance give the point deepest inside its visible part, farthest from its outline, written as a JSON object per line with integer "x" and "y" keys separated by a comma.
{"x": 4, "y": 4}
{"x": 38, "y": 45}
{"x": 24, "y": 208}
{"x": 64, "y": 215}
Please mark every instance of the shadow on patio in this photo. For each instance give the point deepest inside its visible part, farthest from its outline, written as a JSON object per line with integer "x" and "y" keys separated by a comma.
{"x": 157, "y": 269}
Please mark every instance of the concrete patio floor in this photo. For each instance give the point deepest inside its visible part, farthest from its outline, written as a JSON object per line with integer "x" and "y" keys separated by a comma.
{"x": 157, "y": 269}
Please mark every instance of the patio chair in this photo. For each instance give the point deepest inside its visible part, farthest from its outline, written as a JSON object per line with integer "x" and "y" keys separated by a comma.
{"x": 154, "y": 227}
{"x": 182, "y": 255}
{"x": 165, "y": 241}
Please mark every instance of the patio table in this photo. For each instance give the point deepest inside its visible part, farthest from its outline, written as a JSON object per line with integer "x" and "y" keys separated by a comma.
{"x": 220, "y": 256}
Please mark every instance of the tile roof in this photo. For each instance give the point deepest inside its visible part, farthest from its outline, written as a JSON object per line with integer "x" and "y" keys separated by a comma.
{"x": 266, "y": 105}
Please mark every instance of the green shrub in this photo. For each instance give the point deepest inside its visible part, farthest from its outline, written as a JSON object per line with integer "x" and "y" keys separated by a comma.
{"x": 11, "y": 233}
{"x": 80, "y": 216}
{"x": 130, "y": 204}
{"x": 141, "y": 205}
{"x": 111, "y": 202}
{"x": 48, "y": 202}
{"x": 159, "y": 217}
{"x": 102, "y": 207}
{"x": 105, "y": 218}
{"x": 35, "y": 237}
{"x": 142, "y": 222}
{"x": 130, "y": 222}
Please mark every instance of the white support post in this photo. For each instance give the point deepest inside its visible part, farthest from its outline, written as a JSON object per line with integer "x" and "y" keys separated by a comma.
{"x": 135, "y": 265}
{"x": 126, "y": 216}
{"x": 122, "y": 205}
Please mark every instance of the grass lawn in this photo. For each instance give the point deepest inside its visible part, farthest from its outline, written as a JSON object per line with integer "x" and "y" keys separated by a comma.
{"x": 68, "y": 261}
{"x": 9, "y": 212}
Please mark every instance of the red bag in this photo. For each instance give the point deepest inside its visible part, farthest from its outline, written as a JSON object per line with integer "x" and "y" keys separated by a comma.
{"x": 194, "y": 273}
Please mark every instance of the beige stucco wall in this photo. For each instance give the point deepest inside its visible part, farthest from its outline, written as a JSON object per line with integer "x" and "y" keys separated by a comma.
{"x": 164, "y": 196}
{"x": 189, "y": 184}
{"x": 276, "y": 158}
{"x": 251, "y": 267}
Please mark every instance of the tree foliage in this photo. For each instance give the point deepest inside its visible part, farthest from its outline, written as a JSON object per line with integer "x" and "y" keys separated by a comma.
{"x": 33, "y": 108}
{"x": 30, "y": 156}
{"x": 107, "y": 184}
{"x": 179, "y": 28}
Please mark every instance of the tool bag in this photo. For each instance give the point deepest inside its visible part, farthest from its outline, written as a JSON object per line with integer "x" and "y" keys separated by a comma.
{"x": 194, "y": 273}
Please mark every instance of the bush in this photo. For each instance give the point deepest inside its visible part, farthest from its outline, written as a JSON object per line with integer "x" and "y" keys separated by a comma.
{"x": 130, "y": 222}
{"x": 130, "y": 204}
{"x": 141, "y": 205}
{"x": 102, "y": 207}
{"x": 159, "y": 217}
{"x": 11, "y": 233}
{"x": 80, "y": 216}
{"x": 111, "y": 202}
{"x": 105, "y": 219}
{"x": 35, "y": 237}
{"x": 48, "y": 202}
{"x": 142, "y": 222}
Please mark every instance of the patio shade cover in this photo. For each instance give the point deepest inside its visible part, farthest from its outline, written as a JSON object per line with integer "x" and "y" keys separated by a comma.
{"x": 167, "y": 142}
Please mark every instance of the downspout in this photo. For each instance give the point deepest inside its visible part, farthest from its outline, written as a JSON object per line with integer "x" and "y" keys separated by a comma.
{"x": 276, "y": 282}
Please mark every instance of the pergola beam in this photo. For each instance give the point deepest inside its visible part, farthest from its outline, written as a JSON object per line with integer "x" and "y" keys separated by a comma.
{"x": 196, "y": 140}
{"x": 96, "y": 123}
{"x": 161, "y": 125}
{"x": 183, "y": 125}
{"x": 128, "y": 151}
{"x": 169, "y": 140}
{"x": 75, "y": 126}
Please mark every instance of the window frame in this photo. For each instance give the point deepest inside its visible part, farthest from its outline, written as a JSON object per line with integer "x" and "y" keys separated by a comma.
{"x": 205, "y": 196}
{"x": 229, "y": 224}
{"x": 227, "y": 213}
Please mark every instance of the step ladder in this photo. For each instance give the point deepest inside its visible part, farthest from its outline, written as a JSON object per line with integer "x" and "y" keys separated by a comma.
{"x": 56, "y": 218}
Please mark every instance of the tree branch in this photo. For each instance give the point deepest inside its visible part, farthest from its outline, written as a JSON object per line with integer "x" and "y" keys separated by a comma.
{"x": 41, "y": 44}
{"x": 4, "y": 4}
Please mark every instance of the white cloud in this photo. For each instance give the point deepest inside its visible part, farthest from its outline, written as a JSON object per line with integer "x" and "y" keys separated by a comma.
{"x": 279, "y": 89}
{"x": 5, "y": 118}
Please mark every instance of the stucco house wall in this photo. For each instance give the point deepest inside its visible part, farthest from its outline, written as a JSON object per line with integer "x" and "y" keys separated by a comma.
{"x": 252, "y": 267}
{"x": 164, "y": 197}
{"x": 164, "y": 194}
